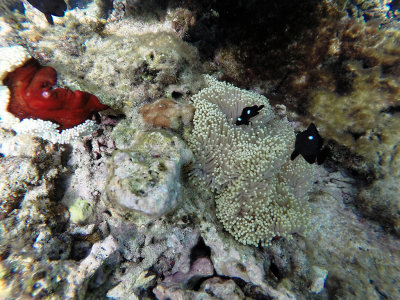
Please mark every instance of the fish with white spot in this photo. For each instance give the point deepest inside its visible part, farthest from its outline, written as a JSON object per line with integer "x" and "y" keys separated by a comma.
{"x": 309, "y": 145}
{"x": 247, "y": 113}
{"x": 50, "y": 8}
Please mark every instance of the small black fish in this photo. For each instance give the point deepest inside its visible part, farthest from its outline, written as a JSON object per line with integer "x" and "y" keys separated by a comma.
{"x": 247, "y": 113}
{"x": 50, "y": 7}
{"x": 309, "y": 145}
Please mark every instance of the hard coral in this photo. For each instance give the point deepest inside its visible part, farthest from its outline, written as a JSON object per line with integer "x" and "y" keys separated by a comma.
{"x": 134, "y": 63}
{"x": 167, "y": 113}
{"x": 32, "y": 97}
{"x": 260, "y": 193}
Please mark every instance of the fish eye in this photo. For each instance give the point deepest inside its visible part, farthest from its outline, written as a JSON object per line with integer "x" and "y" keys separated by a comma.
{"x": 239, "y": 119}
{"x": 310, "y": 137}
{"x": 248, "y": 111}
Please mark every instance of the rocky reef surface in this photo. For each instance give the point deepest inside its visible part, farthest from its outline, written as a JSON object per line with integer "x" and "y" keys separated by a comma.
{"x": 119, "y": 214}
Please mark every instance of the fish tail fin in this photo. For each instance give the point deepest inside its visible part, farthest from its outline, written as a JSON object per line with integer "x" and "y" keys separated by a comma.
{"x": 49, "y": 19}
{"x": 294, "y": 155}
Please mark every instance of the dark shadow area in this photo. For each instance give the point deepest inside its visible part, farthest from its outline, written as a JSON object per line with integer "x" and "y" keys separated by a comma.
{"x": 261, "y": 34}
{"x": 200, "y": 250}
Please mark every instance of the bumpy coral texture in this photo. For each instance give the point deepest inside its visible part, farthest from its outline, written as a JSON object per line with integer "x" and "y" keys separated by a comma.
{"x": 260, "y": 193}
{"x": 131, "y": 65}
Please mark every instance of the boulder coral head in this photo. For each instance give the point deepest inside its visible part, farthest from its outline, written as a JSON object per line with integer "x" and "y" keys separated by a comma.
{"x": 32, "y": 97}
{"x": 260, "y": 192}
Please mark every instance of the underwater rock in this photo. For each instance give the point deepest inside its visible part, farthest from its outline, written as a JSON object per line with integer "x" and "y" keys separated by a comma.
{"x": 104, "y": 253}
{"x": 16, "y": 175}
{"x": 141, "y": 281}
{"x": 202, "y": 267}
{"x": 233, "y": 260}
{"x": 319, "y": 276}
{"x": 340, "y": 237}
{"x": 365, "y": 118}
{"x": 362, "y": 259}
{"x": 381, "y": 202}
{"x": 146, "y": 178}
{"x": 162, "y": 248}
{"x": 165, "y": 293}
{"x": 31, "y": 235}
{"x": 222, "y": 288}
{"x": 22, "y": 163}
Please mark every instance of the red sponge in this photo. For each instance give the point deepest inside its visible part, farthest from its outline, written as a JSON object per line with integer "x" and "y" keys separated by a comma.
{"x": 32, "y": 97}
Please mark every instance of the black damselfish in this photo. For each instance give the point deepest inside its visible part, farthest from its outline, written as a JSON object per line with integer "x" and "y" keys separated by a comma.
{"x": 309, "y": 145}
{"x": 50, "y": 7}
{"x": 247, "y": 113}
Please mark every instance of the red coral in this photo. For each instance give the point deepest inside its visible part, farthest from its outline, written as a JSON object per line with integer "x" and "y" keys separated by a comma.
{"x": 32, "y": 97}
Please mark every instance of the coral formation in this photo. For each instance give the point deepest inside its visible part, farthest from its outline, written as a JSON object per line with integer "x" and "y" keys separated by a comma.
{"x": 260, "y": 192}
{"x": 201, "y": 268}
{"x": 167, "y": 113}
{"x": 26, "y": 94}
{"x": 133, "y": 65}
{"x": 145, "y": 178}
{"x": 357, "y": 108}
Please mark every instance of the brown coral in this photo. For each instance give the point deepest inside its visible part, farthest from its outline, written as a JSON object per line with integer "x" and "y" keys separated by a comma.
{"x": 167, "y": 113}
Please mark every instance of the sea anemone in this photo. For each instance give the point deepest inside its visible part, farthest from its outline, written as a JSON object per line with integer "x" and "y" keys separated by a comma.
{"x": 260, "y": 192}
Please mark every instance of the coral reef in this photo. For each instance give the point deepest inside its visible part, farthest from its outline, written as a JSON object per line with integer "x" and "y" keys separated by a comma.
{"x": 30, "y": 230}
{"x": 133, "y": 65}
{"x": 260, "y": 192}
{"x": 167, "y": 113}
{"x": 63, "y": 236}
